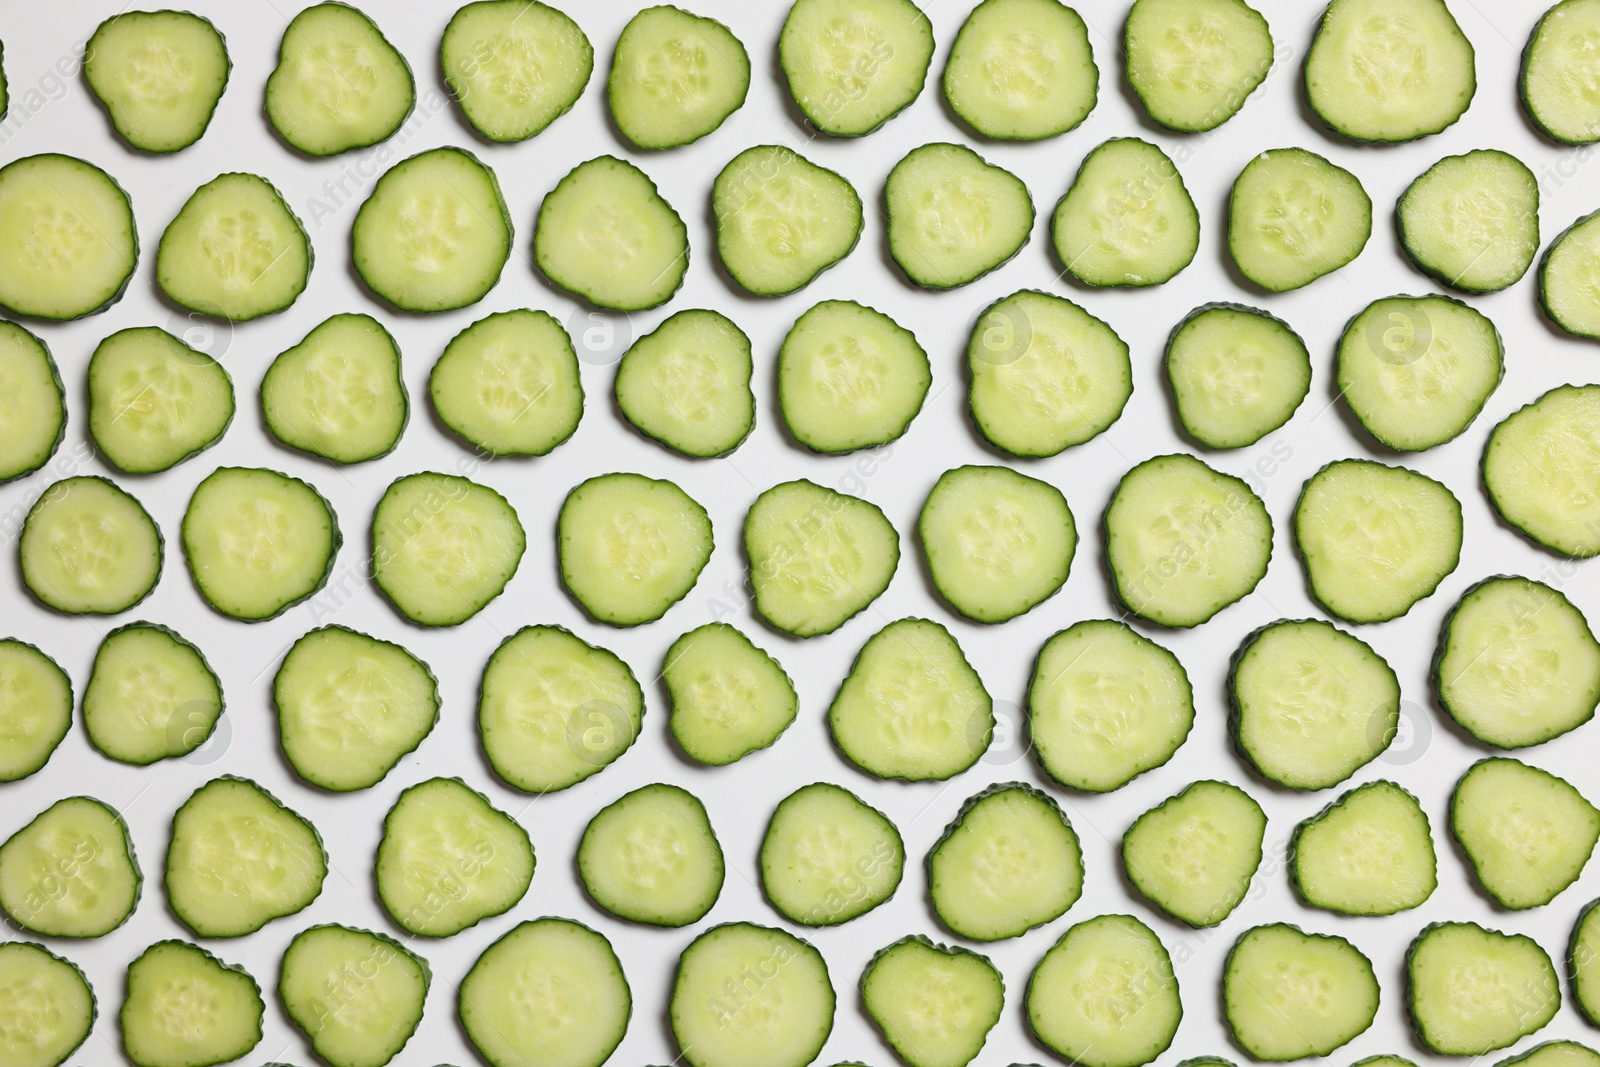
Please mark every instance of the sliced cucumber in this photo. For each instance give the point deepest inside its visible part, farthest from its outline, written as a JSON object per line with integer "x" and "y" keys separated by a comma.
{"x": 1046, "y": 374}
{"x": 550, "y": 992}
{"x": 350, "y": 707}
{"x": 747, "y": 995}
{"x": 235, "y": 250}
{"x": 675, "y": 77}
{"x": 1558, "y": 66}
{"x": 71, "y": 872}
{"x": 1289, "y": 994}
{"x": 853, "y": 65}
{"x": 1105, "y": 994}
{"x": 1368, "y": 853}
{"x": 554, "y": 709}
{"x": 1310, "y": 703}
{"x": 514, "y": 66}
{"x": 159, "y": 75}
{"x": 1293, "y": 217}
{"x": 68, "y": 244}
{"x": 1472, "y": 221}
{"x": 151, "y": 696}
{"x": 1375, "y": 539}
{"x": 934, "y": 1004}
{"x": 1022, "y": 70}
{"x": 186, "y": 1008}
{"x": 508, "y": 384}
{"x": 1184, "y": 541}
{"x": 1194, "y": 854}
{"x": 686, "y": 384}
{"x": 33, "y": 409}
{"x": 912, "y": 707}
{"x": 1389, "y": 70}
{"x": 1009, "y": 861}
{"x": 356, "y": 995}
{"x": 651, "y": 857}
{"x": 258, "y": 542}
{"x": 953, "y": 216}
{"x": 449, "y": 859}
{"x": 1526, "y": 833}
{"x": 339, "y": 83}
{"x": 1566, "y": 287}
{"x": 1555, "y": 1054}
{"x": 728, "y": 697}
{"x": 781, "y": 219}
{"x": 829, "y": 857}
{"x": 850, "y": 377}
{"x": 339, "y": 393}
{"x": 1542, "y": 470}
{"x": 817, "y": 557}
{"x": 1128, "y": 219}
{"x": 88, "y": 548}
{"x": 35, "y": 709}
{"x": 1105, "y": 705}
{"x": 1583, "y": 962}
{"x": 154, "y": 401}
{"x": 1193, "y": 65}
{"x": 443, "y": 547}
{"x": 1237, "y": 373}
{"x": 51, "y": 1007}
{"x": 630, "y": 547}
{"x": 1470, "y": 991}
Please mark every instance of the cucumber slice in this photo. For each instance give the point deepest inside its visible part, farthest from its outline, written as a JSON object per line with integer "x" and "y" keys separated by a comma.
{"x": 1105, "y": 705}
{"x": 1389, "y": 70}
{"x": 1558, "y": 66}
{"x": 151, "y": 696}
{"x": 1194, "y": 854}
{"x": 1127, "y": 219}
{"x": 1517, "y": 664}
{"x": 235, "y": 250}
{"x": 356, "y": 995}
{"x": 1008, "y": 862}
{"x": 1375, "y": 539}
{"x": 675, "y": 77}
{"x": 852, "y": 65}
{"x": 33, "y": 409}
{"x": 1472, "y": 221}
{"x": 52, "y": 1009}
{"x": 350, "y": 707}
{"x": 514, "y": 66}
{"x": 1470, "y": 991}
{"x": 35, "y": 710}
{"x": 1105, "y": 994}
{"x": 686, "y": 384}
{"x": 338, "y": 394}
{"x": 239, "y": 859}
{"x": 550, "y": 992}
{"x": 1289, "y": 994}
{"x": 186, "y": 1008}
{"x": 781, "y": 219}
{"x": 1416, "y": 370}
{"x": 1526, "y": 833}
{"x": 651, "y": 857}
{"x": 508, "y": 384}
{"x": 443, "y": 547}
{"x": 817, "y": 557}
{"x": 1184, "y": 541}
{"x": 88, "y": 548}
{"x": 1555, "y": 1054}
{"x": 1368, "y": 853}
{"x": 1310, "y": 703}
{"x": 1237, "y": 373}
{"x": 1046, "y": 374}
{"x": 1583, "y": 962}
{"x": 912, "y": 707}
{"x": 1193, "y": 65}
{"x": 449, "y": 859}
{"x": 605, "y": 235}
{"x": 435, "y": 234}
{"x": 154, "y": 401}
{"x": 71, "y": 872}
{"x": 953, "y": 216}
{"x": 850, "y": 377}
{"x": 750, "y": 995}
{"x": 1565, "y": 291}
{"x": 555, "y": 709}
{"x": 728, "y": 697}
{"x": 339, "y": 83}
{"x": 159, "y": 75}
{"x": 997, "y": 543}
{"x": 1384, "y": 1061}
{"x": 630, "y": 547}
{"x": 68, "y": 244}
{"x": 935, "y": 1004}
{"x": 828, "y": 856}
{"x": 1293, "y": 217}
{"x": 257, "y": 541}
{"x": 1542, "y": 470}
{"x": 1022, "y": 70}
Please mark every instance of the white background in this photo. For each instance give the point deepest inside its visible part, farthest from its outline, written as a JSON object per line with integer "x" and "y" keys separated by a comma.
{"x": 51, "y": 113}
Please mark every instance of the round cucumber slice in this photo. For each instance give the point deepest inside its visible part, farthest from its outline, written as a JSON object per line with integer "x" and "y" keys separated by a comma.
{"x": 1458, "y": 976}
{"x": 781, "y": 219}
{"x": 55, "y": 1008}
{"x": 1583, "y": 962}
{"x": 1472, "y": 221}
{"x": 1558, "y": 66}
{"x": 1527, "y": 833}
{"x": 1542, "y": 470}
{"x": 186, "y": 1008}
{"x": 1022, "y": 70}
{"x": 1127, "y": 219}
{"x": 71, "y": 872}
{"x": 35, "y": 709}
{"x": 675, "y": 77}
{"x": 828, "y": 856}
{"x": 1237, "y": 373}
{"x": 1555, "y": 1054}
{"x": 934, "y": 1004}
{"x": 514, "y": 66}
{"x": 235, "y": 250}
{"x": 1293, "y": 217}
{"x": 651, "y": 857}
{"x": 68, "y": 244}
{"x": 1102, "y": 973}
{"x": 338, "y": 394}
{"x": 88, "y": 548}
{"x": 1288, "y": 994}
{"x": 33, "y": 409}
{"x": 356, "y": 995}
{"x": 1565, "y": 287}
{"x": 728, "y": 697}
{"x": 339, "y": 83}
{"x": 508, "y": 384}
{"x": 852, "y": 65}
{"x": 850, "y": 377}
{"x": 159, "y": 75}
{"x": 1193, "y": 65}
{"x": 686, "y": 384}
{"x": 154, "y": 401}
{"x": 1194, "y": 854}
{"x": 151, "y": 696}
{"x": 1368, "y": 853}
{"x": 953, "y": 216}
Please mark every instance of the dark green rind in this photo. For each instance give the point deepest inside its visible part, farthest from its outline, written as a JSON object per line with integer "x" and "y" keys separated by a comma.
{"x": 235, "y": 968}
{"x": 756, "y": 290}
{"x": 67, "y": 681}
{"x": 88, "y": 59}
{"x": 1488, "y": 487}
{"x": 161, "y": 545}
{"x": 955, "y": 106}
{"x": 889, "y": 438}
{"x": 1472, "y": 861}
{"x": 305, "y": 1026}
{"x": 1292, "y": 860}
{"x": 911, "y": 1055}
{"x": 1133, "y": 877}
{"x": 1420, "y": 1028}
{"x": 1421, "y": 263}
{"x": 305, "y": 242}
{"x": 1194, "y": 218}
{"x": 1211, "y": 1061}
{"x": 222, "y": 704}
{"x": 455, "y": 90}
{"x": 903, "y": 262}
{"x": 405, "y": 397}
{"x": 94, "y": 1002}
{"x": 266, "y": 107}
{"x": 233, "y": 406}
{"x": 1261, "y": 76}
{"x": 1587, "y": 1004}
{"x": 1243, "y": 309}
{"x": 655, "y": 192}
{"x": 1380, "y": 1058}
{"x": 1227, "y": 969}
{"x": 1527, "y": 104}
{"x": 55, "y": 376}
{"x": 1544, "y": 270}
{"x": 815, "y": 124}
{"x": 127, "y": 846}
{"x": 643, "y": 918}
{"x": 802, "y": 919}
{"x": 133, "y": 240}
{"x": 679, "y": 446}
{"x": 674, "y": 697}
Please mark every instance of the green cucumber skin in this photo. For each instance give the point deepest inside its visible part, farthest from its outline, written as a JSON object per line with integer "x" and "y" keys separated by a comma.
{"x": 1572, "y": 961}
{"x": 1292, "y": 861}
{"x": 227, "y": 73}
{"x": 376, "y": 32}
{"x": 133, "y": 863}
{"x": 133, "y": 236}
{"x": 50, "y": 361}
{"x": 1244, "y": 309}
{"x": 161, "y": 547}
{"x": 1544, "y": 267}
{"x": 222, "y": 700}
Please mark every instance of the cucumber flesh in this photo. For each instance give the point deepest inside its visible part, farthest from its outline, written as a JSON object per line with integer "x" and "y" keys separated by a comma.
{"x": 35, "y": 709}
{"x": 1542, "y": 470}
{"x": 1193, "y": 65}
{"x": 781, "y": 219}
{"x": 154, "y": 401}
{"x": 1022, "y": 70}
{"x": 934, "y": 1004}
{"x": 186, "y": 1008}
{"x": 728, "y": 697}
{"x": 828, "y": 857}
{"x": 68, "y": 244}
{"x": 235, "y": 250}
{"x": 1526, "y": 833}
{"x": 339, "y": 83}
{"x": 850, "y": 377}
{"x": 1127, "y": 219}
{"x": 514, "y": 66}
{"x": 159, "y": 75}
{"x": 686, "y": 384}
{"x": 151, "y": 696}
{"x": 1368, "y": 853}
{"x": 88, "y": 548}
{"x": 852, "y": 65}
{"x": 1194, "y": 854}
{"x": 1293, "y": 217}
{"x": 675, "y": 77}
{"x": 1470, "y": 990}
{"x": 651, "y": 857}
{"x": 1105, "y": 994}
{"x": 71, "y": 872}
{"x": 1558, "y": 67}
{"x": 33, "y": 409}
{"x": 358, "y": 996}
{"x": 508, "y": 384}
{"x": 953, "y": 216}
{"x": 1555, "y": 1054}
{"x": 1472, "y": 221}
{"x": 1289, "y": 994}
{"x": 339, "y": 393}
{"x": 1583, "y": 962}
{"x": 1237, "y": 374}
{"x": 53, "y": 1008}
{"x": 1566, "y": 289}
